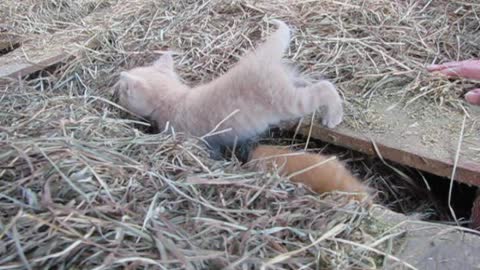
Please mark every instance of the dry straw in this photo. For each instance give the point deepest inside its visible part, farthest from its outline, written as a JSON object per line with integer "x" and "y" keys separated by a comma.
{"x": 83, "y": 186}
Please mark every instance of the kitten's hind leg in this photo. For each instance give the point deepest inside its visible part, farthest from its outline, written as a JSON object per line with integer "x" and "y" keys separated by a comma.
{"x": 276, "y": 44}
{"x": 282, "y": 35}
{"x": 321, "y": 94}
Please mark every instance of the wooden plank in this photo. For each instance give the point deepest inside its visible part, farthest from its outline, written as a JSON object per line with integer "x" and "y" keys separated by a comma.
{"x": 42, "y": 51}
{"x": 418, "y": 136}
{"x": 427, "y": 245}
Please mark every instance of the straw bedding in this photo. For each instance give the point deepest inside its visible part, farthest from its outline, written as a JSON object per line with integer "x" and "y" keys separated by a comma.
{"x": 83, "y": 185}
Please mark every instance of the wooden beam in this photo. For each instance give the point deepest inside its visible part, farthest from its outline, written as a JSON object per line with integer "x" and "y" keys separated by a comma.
{"x": 42, "y": 51}
{"x": 467, "y": 172}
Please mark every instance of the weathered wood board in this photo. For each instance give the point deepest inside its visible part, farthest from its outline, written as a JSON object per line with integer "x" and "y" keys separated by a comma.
{"x": 41, "y": 51}
{"x": 430, "y": 246}
{"x": 421, "y": 135}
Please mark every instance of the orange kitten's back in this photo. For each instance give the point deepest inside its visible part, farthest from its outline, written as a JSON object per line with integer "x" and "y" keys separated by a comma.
{"x": 319, "y": 172}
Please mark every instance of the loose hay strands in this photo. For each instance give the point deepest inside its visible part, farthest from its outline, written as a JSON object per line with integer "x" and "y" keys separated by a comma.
{"x": 82, "y": 185}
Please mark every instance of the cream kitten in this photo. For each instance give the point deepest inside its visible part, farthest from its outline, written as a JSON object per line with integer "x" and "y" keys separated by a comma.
{"x": 259, "y": 91}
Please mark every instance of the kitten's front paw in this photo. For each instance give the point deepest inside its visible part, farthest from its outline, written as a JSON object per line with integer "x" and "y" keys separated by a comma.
{"x": 334, "y": 115}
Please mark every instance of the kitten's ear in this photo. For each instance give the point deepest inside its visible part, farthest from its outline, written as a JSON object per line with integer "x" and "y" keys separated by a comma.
{"x": 165, "y": 61}
{"x": 124, "y": 75}
{"x": 129, "y": 82}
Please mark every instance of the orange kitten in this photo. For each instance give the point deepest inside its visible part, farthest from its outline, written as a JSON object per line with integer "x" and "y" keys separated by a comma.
{"x": 319, "y": 172}
{"x": 259, "y": 91}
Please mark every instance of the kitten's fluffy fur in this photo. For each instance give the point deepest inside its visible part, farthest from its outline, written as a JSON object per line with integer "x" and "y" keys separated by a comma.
{"x": 320, "y": 173}
{"x": 264, "y": 90}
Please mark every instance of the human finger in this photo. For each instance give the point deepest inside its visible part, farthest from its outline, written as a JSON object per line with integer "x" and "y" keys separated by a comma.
{"x": 451, "y": 72}
{"x": 452, "y": 64}
{"x": 438, "y": 67}
{"x": 473, "y": 96}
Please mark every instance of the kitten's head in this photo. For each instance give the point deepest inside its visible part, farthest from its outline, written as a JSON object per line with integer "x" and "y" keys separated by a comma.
{"x": 142, "y": 89}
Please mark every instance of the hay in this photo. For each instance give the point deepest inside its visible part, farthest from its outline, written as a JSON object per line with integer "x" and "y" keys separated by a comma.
{"x": 82, "y": 185}
{"x": 82, "y": 189}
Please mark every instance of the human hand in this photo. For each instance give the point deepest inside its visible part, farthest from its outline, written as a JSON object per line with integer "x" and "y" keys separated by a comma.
{"x": 468, "y": 69}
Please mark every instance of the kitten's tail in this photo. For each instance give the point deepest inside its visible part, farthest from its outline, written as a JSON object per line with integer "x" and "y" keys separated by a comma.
{"x": 277, "y": 43}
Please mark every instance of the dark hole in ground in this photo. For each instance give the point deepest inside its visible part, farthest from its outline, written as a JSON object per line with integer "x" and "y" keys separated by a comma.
{"x": 10, "y": 48}
{"x": 423, "y": 194}
{"x": 45, "y": 78}
{"x": 45, "y": 72}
